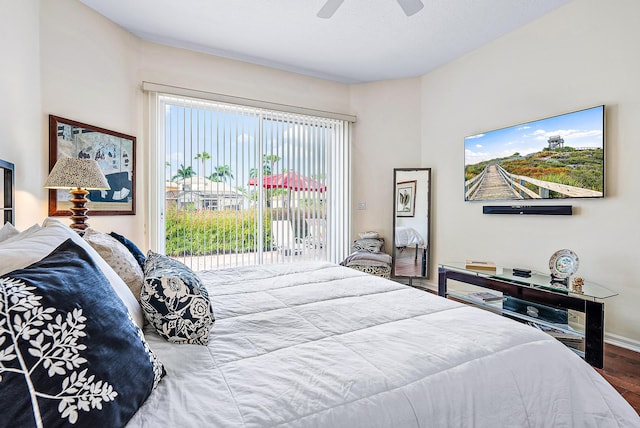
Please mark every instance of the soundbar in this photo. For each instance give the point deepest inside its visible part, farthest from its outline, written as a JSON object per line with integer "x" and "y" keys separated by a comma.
{"x": 528, "y": 209}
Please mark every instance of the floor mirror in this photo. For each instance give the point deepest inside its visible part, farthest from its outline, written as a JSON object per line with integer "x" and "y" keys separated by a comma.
{"x": 411, "y": 219}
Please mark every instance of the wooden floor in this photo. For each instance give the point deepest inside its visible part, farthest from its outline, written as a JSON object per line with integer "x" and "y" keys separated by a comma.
{"x": 408, "y": 262}
{"x": 622, "y": 370}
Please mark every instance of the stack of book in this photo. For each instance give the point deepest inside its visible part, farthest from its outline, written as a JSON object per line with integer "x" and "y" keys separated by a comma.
{"x": 485, "y": 296}
{"x": 480, "y": 265}
{"x": 572, "y": 340}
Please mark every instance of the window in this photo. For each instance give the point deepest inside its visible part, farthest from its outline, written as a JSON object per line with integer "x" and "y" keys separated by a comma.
{"x": 240, "y": 185}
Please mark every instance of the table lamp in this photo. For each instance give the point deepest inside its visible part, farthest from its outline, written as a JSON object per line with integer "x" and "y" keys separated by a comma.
{"x": 80, "y": 176}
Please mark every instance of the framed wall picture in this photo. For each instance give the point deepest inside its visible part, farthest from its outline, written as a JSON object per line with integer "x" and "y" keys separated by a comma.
{"x": 114, "y": 152}
{"x": 406, "y": 198}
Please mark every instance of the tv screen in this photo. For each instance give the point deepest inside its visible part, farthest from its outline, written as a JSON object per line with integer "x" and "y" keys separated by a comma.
{"x": 554, "y": 158}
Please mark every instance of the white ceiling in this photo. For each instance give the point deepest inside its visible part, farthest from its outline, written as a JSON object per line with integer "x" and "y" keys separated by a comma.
{"x": 365, "y": 40}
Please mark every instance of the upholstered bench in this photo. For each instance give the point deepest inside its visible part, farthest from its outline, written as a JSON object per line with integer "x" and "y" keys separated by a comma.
{"x": 383, "y": 271}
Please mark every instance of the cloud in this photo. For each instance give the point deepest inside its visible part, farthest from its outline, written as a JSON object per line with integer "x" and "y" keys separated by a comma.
{"x": 479, "y": 146}
{"x": 475, "y": 136}
{"x": 572, "y": 137}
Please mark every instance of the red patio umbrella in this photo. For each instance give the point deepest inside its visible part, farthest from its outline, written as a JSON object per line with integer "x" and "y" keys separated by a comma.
{"x": 289, "y": 180}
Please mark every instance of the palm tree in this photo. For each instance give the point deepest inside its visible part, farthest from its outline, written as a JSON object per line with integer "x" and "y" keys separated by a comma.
{"x": 267, "y": 165}
{"x": 267, "y": 169}
{"x": 183, "y": 172}
{"x": 221, "y": 173}
{"x": 204, "y": 156}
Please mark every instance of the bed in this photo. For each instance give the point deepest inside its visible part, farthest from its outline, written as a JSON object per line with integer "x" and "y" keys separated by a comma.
{"x": 408, "y": 236}
{"x": 296, "y": 345}
{"x": 314, "y": 344}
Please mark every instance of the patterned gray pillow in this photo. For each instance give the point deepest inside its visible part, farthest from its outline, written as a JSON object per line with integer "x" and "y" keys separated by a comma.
{"x": 175, "y": 302}
{"x": 118, "y": 257}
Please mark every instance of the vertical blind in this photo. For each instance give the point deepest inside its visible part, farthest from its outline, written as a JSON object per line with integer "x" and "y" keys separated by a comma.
{"x": 240, "y": 185}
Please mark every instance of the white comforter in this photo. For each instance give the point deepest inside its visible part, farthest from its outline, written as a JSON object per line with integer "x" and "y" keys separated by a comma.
{"x": 320, "y": 345}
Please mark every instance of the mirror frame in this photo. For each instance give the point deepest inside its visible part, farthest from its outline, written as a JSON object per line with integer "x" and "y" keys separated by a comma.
{"x": 426, "y": 252}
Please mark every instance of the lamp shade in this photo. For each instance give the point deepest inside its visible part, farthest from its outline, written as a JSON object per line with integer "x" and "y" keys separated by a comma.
{"x": 70, "y": 173}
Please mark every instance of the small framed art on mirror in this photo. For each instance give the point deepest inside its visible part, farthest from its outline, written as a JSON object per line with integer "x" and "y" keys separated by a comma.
{"x": 406, "y": 199}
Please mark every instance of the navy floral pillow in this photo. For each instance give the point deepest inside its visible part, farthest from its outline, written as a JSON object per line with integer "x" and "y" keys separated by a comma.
{"x": 70, "y": 354}
{"x": 175, "y": 302}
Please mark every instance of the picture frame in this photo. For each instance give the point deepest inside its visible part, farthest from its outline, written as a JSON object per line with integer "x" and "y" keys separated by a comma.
{"x": 114, "y": 152}
{"x": 406, "y": 198}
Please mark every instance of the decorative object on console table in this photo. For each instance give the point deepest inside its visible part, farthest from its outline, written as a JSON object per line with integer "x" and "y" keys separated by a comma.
{"x": 563, "y": 264}
{"x": 524, "y": 273}
{"x": 80, "y": 176}
{"x": 576, "y": 285}
{"x": 480, "y": 265}
{"x": 115, "y": 154}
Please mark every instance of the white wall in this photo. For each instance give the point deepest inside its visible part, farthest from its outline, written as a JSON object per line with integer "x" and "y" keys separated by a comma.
{"x": 386, "y": 136}
{"x": 583, "y": 54}
{"x": 20, "y": 124}
{"x": 88, "y": 74}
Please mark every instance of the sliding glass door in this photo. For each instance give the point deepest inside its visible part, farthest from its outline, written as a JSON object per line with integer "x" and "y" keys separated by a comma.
{"x": 245, "y": 185}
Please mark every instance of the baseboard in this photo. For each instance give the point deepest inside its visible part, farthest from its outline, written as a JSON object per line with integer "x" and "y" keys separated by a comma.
{"x": 621, "y": 341}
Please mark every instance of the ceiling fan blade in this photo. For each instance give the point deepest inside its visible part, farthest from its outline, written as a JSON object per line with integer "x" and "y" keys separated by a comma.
{"x": 411, "y": 7}
{"x": 329, "y": 8}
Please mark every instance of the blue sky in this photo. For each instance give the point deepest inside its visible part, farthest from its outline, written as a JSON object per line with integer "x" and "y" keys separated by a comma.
{"x": 191, "y": 130}
{"x": 583, "y": 128}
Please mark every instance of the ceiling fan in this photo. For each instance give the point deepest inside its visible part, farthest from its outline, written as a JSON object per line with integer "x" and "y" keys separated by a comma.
{"x": 410, "y": 7}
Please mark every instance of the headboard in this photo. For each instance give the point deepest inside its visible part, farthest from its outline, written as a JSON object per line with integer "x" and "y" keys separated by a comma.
{"x": 7, "y": 207}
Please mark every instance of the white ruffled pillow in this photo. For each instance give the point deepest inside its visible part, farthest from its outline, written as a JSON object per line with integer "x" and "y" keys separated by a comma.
{"x": 30, "y": 248}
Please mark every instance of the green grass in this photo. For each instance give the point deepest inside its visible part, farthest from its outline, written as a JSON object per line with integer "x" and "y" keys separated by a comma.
{"x": 203, "y": 232}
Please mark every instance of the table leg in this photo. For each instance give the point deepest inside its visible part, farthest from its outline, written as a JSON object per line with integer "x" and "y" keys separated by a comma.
{"x": 594, "y": 333}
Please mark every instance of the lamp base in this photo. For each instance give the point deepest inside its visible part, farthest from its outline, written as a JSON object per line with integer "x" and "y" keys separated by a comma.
{"x": 79, "y": 210}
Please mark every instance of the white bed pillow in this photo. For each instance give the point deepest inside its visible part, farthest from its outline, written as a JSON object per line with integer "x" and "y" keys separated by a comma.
{"x": 7, "y": 231}
{"x": 21, "y": 235}
{"x": 35, "y": 246}
{"x": 118, "y": 257}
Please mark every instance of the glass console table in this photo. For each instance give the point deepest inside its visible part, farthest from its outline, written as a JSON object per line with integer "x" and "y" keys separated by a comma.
{"x": 537, "y": 301}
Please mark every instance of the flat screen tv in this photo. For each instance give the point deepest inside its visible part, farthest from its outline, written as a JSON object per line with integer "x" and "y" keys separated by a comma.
{"x": 554, "y": 158}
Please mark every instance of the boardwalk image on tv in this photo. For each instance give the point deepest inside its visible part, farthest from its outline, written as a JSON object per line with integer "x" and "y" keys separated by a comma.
{"x": 554, "y": 158}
